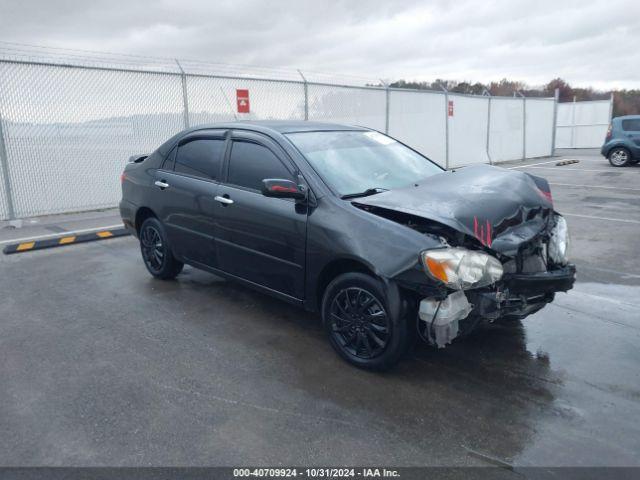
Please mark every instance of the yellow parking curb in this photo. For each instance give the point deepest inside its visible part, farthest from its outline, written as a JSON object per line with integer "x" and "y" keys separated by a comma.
{"x": 566, "y": 162}
{"x": 66, "y": 240}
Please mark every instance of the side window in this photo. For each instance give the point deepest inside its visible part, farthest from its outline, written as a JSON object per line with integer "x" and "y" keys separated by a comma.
{"x": 631, "y": 125}
{"x": 201, "y": 158}
{"x": 251, "y": 163}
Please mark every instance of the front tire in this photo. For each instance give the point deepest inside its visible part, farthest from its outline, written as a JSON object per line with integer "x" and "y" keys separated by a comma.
{"x": 156, "y": 254}
{"x": 361, "y": 325}
{"x": 619, "y": 157}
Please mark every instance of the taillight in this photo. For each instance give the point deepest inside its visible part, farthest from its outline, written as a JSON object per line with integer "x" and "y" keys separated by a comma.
{"x": 123, "y": 177}
{"x": 609, "y": 132}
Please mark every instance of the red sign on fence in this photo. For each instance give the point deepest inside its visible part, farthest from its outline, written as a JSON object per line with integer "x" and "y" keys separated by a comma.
{"x": 451, "y": 108}
{"x": 242, "y": 98}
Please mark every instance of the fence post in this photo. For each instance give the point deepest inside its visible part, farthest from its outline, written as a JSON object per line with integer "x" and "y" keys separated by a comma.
{"x": 306, "y": 95}
{"x": 573, "y": 123}
{"x": 446, "y": 126}
{"x": 611, "y": 107}
{"x": 185, "y": 98}
{"x": 386, "y": 108}
{"x": 487, "y": 94}
{"x": 524, "y": 125}
{"x": 556, "y": 97}
{"x": 4, "y": 166}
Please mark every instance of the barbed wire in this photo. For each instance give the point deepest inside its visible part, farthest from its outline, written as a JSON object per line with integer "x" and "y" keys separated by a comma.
{"x": 79, "y": 57}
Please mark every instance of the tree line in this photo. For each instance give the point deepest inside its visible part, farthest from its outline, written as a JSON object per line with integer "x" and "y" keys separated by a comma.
{"x": 625, "y": 102}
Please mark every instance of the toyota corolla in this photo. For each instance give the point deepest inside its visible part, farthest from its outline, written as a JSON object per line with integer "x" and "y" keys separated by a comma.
{"x": 385, "y": 244}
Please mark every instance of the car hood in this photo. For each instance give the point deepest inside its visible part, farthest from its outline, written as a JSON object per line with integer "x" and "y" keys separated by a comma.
{"x": 501, "y": 208}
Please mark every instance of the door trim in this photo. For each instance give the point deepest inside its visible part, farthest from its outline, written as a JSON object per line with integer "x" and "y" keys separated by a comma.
{"x": 195, "y": 232}
{"x": 257, "y": 252}
{"x": 248, "y": 283}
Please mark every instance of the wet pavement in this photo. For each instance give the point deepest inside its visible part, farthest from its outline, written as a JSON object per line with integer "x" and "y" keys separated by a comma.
{"x": 102, "y": 365}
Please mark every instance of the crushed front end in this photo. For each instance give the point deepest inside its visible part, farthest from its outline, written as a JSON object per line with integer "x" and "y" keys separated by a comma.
{"x": 502, "y": 247}
{"x": 475, "y": 286}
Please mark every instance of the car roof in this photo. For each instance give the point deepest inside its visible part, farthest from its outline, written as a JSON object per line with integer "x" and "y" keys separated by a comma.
{"x": 263, "y": 126}
{"x": 282, "y": 126}
{"x": 627, "y": 117}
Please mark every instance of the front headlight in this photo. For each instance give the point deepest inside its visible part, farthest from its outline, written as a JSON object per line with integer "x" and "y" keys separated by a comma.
{"x": 461, "y": 269}
{"x": 559, "y": 241}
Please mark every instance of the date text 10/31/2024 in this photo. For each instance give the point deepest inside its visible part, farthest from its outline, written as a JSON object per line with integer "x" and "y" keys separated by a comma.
{"x": 316, "y": 472}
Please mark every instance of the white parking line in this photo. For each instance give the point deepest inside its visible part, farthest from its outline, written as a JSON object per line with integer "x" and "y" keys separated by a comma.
{"x": 594, "y": 186}
{"x": 607, "y": 299}
{"x": 623, "y": 220}
{"x": 61, "y": 234}
{"x": 531, "y": 164}
{"x": 577, "y": 169}
{"x": 609, "y": 270}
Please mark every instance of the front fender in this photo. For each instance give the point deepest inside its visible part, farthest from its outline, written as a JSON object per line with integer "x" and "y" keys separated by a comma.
{"x": 339, "y": 230}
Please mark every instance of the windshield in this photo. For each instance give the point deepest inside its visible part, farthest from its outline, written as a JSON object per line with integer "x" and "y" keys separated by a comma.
{"x": 362, "y": 162}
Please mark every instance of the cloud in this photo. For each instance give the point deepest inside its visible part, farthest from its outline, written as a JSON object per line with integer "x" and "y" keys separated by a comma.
{"x": 586, "y": 43}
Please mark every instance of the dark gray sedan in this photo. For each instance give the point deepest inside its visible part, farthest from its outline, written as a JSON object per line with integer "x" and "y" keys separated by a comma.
{"x": 384, "y": 243}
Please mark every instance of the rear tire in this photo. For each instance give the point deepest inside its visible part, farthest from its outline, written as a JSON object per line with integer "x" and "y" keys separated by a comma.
{"x": 156, "y": 252}
{"x": 619, "y": 157}
{"x": 361, "y": 325}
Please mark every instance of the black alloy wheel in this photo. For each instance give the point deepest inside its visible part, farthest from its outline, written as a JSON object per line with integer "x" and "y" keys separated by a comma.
{"x": 359, "y": 323}
{"x": 152, "y": 247}
{"x": 363, "y": 318}
{"x": 157, "y": 256}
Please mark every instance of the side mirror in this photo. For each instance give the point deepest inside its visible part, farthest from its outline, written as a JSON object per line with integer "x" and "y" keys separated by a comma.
{"x": 280, "y": 188}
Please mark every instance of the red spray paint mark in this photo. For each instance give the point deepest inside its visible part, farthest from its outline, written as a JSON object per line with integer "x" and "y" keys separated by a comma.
{"x": 481, "y": 234}
{"x": 546, "y": 195}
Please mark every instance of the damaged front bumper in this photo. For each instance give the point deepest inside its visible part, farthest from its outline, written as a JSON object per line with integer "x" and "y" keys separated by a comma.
{"x": 514, "y": 297}
{"x": 559, "y": 280}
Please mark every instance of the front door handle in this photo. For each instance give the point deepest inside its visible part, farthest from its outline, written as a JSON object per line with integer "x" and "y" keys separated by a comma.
{"x": 223, "y": 200}
{"x": 161, "y": 184}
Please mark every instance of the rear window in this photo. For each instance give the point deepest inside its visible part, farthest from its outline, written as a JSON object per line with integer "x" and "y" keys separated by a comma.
{"x": 632, "y": 125}
{"x": 200, "y": 158}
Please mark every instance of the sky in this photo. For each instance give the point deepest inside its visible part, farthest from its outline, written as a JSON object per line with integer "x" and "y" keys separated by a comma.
{"x": 587, "y": 43}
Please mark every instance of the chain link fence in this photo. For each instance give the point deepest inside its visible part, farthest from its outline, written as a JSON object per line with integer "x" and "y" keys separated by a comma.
{"x": 68, "y": 125}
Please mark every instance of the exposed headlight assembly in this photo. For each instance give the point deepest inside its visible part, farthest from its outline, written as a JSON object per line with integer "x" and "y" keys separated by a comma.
{"x": 461, "y": 269}
{"x": 559, "y": 241}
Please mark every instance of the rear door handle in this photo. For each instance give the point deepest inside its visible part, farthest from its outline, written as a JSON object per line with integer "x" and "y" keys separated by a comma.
{"x": 223, "y": 200}
{"x": 161, "y": 184}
